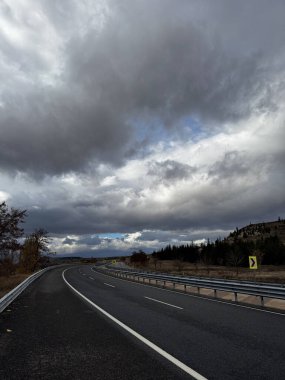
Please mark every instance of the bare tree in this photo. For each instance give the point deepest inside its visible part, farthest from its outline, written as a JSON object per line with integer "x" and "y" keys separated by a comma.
{"x": 34, "y": 247}
{"x": 235, "y": 258}
{"x": 10, "y": 232}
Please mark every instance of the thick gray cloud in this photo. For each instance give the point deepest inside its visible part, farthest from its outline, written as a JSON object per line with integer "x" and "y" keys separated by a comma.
{"x": 233, "y": 164}
{"x": 170, "y": 170}
{"x": 160, "y": 118}
{"x": 191, "y": 59}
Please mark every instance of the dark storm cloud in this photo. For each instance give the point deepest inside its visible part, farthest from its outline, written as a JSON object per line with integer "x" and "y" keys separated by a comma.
{"x": 171, "y": 68}
{"x": 68, "y": 220}
{"x": 233, "y": 164}
{"x": 203, "y": 213}
{"x": 62, "y": 140}
{"x": 162, "y": 59}
{"x": 68, "y": 241}
{"x": 162, "y": 121}
{"x": 169, "y": 170}
{"x": 89, "y": 240}
{"x": 85, "y": 240}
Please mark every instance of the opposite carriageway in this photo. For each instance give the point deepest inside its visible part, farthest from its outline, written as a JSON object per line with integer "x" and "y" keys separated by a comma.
{"x": 258, "y": 289}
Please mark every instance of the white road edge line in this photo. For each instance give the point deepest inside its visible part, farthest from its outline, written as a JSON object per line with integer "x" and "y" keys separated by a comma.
{"x": 153, "y": 346}
{"x": 112, "y": 286}
{"x": 91, "y": 278}
{"x": 165, "y": 303}
{"x": 193, "y": 295}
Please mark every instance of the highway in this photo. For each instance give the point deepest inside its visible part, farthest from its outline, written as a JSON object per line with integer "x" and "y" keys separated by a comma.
{"x": 78, "y": 323}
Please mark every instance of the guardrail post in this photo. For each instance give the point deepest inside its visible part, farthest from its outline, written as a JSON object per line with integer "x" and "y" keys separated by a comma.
{"x": 173, "y": 285}
{"x": 215, "y": 293}
{"x": 185, "y": 288}
{"x": 236, "y": 297}
{"x": 262, "y": 301}
{"x": 164, "y": 284}
{"x": 198, "y": 289}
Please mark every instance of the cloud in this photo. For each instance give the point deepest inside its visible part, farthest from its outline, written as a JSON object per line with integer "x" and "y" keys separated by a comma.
{"x": 170, "y": 170}
{"x": 146, "y": 240}
{"x": 233, "y": 164}
{"x": 236, "y": 179}
{"x": 74, "y": 75}
{"x": 109, "y": 126}
{"x": 4, "y": 196}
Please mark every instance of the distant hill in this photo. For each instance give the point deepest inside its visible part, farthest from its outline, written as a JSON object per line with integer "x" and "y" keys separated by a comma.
{"x": 259, "y": 231}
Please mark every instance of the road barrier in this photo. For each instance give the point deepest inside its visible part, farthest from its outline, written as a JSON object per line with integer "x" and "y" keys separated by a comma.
{"x": 14, "y": 293}
{"x": 262, "y": 290}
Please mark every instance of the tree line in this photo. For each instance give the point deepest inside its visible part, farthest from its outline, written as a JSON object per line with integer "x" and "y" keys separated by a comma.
{"x": 17, "y": 251}
{"x": 269, "y": 251}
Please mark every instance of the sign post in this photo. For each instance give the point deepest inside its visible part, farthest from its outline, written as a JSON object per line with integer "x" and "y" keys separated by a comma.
{"x": 252, "y": 262}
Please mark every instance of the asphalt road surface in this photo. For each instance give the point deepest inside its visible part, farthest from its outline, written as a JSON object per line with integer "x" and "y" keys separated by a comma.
{"x": 124, "y": 330}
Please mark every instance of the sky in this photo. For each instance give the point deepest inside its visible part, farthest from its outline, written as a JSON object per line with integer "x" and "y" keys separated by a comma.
{"x": 134, "y": 124}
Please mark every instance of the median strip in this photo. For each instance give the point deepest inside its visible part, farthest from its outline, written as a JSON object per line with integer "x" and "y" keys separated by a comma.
{"x": 165, "y": 303}
{"x": 151, "y": 345}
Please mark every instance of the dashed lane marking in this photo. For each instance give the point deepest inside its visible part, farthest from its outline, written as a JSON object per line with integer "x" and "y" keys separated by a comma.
{"x": 165, "y": 303}
{"x": 112, "y": 286}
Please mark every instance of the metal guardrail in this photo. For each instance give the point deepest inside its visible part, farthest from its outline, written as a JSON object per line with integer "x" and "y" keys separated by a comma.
{"x": 262, "y": 290}
{"x": 200, "y": 277}
{"x": 14, "y": 293}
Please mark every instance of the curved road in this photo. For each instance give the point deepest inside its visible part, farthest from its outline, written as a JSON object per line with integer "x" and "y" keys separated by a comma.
{"x": 50, "y": 332}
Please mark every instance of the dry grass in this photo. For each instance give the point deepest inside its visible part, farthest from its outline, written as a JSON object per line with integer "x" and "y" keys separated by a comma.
{"x": 9, "y": 283}
{"x": 266, "y": 273}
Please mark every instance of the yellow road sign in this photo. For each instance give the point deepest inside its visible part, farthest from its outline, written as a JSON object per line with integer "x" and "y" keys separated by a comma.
{"x": 252, "y": 262}
{"x": 114, "y": 261}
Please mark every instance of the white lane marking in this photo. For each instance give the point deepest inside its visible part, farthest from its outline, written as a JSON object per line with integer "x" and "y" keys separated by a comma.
{"x": 153, "y": 346}
{"x": 91, "y": 278}
{"x": 193, "y": 295}
{"x": 165, "y": 303}
{"x": 112, "y": 286}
